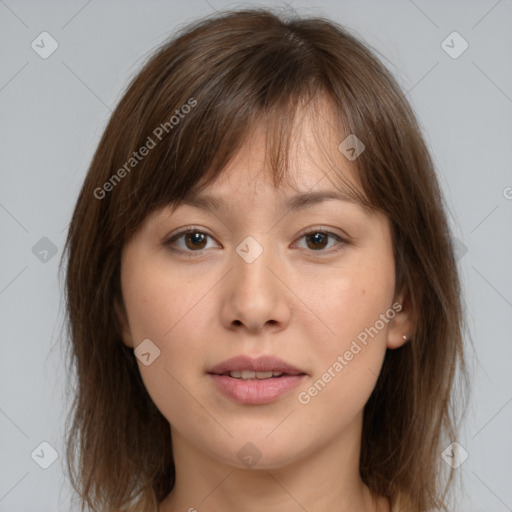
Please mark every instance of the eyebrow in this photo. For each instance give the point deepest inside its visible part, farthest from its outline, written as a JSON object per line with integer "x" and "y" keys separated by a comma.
{"x": 294, "y": 203}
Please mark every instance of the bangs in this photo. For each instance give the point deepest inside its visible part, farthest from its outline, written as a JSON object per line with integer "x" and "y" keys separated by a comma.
{"x": 282, "y": 124}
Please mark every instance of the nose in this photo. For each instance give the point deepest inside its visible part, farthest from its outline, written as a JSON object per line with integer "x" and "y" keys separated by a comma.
{"x": 255, "y": 295}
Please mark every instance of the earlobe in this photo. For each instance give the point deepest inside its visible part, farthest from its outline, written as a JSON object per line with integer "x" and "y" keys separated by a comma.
{"x": 122, "y": 323}
{"x": 396, "y": 341}
{"x": 403, "y": 324}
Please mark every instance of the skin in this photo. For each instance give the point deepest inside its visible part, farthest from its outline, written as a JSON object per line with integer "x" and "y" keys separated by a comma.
{"x": 291, "y": 302}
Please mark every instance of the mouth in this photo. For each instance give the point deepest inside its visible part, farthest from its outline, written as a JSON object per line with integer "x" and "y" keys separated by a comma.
{"x": 263, "y": 367}
{"x": 255, "y": 381}
{"x": 252, "y": 375}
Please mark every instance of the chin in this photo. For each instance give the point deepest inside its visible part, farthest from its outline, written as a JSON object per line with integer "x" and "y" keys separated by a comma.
{"x": 257, "y": 452}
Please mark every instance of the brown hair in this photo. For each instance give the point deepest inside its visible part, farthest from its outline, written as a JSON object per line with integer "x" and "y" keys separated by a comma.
{"x": 233, "y": 70}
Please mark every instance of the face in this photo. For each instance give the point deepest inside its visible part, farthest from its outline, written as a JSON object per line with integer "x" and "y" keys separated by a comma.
{"x": 313, "y": 286}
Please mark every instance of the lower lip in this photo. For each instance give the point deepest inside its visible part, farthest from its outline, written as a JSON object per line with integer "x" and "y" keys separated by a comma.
{"x": 256, "y": 391}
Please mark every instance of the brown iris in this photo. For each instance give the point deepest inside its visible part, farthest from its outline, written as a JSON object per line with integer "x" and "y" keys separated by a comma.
{"x": 195, "y": 237}
{"x": 318, "y": 238}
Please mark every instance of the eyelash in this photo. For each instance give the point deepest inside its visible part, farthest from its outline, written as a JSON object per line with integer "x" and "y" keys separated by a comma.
{"x": 193, "y": 229}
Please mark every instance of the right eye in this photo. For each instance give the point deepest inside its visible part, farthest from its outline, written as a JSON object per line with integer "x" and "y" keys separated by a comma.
{"x": 194, "y": 240}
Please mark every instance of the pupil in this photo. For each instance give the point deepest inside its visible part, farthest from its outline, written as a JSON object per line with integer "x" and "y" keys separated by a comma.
{"x": 195, "y": 238}
{"x": 318, "y": 238}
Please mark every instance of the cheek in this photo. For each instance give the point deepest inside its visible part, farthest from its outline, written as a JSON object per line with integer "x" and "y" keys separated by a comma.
{"x": 159, "y": 302}
{"x": 349, "y": 301}
{"x": 355, "y": 310}
{"x": 166, "y": 311}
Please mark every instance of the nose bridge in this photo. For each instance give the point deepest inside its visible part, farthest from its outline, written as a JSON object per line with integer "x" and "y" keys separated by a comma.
{"x": 252, "y": 260}
{"x": 255, "y": 296}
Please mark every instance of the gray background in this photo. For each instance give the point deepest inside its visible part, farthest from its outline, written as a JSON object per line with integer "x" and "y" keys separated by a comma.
{"x": 53, "y": 112}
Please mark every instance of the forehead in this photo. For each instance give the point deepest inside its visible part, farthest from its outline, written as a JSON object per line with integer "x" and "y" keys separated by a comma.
{"x": 313, "y": 161}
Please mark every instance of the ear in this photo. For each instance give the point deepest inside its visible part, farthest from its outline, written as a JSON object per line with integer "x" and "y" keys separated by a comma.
{"x": 404, "y": 321}
{"x": 122, "y": 322}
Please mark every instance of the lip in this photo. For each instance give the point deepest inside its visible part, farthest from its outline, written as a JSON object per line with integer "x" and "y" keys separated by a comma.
{"x": 258, "y": 364}
{"x": 256, "y": 391}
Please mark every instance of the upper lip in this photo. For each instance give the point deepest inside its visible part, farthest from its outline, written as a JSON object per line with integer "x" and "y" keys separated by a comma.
{"x": 259, "y": 364}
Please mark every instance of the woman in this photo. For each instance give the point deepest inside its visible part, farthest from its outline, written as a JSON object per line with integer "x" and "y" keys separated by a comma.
{"x": 263, "y": 298}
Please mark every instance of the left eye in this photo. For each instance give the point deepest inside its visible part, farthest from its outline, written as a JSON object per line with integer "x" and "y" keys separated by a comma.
{"x": 318, "y": 240}
{"x": 196, "y": 240}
